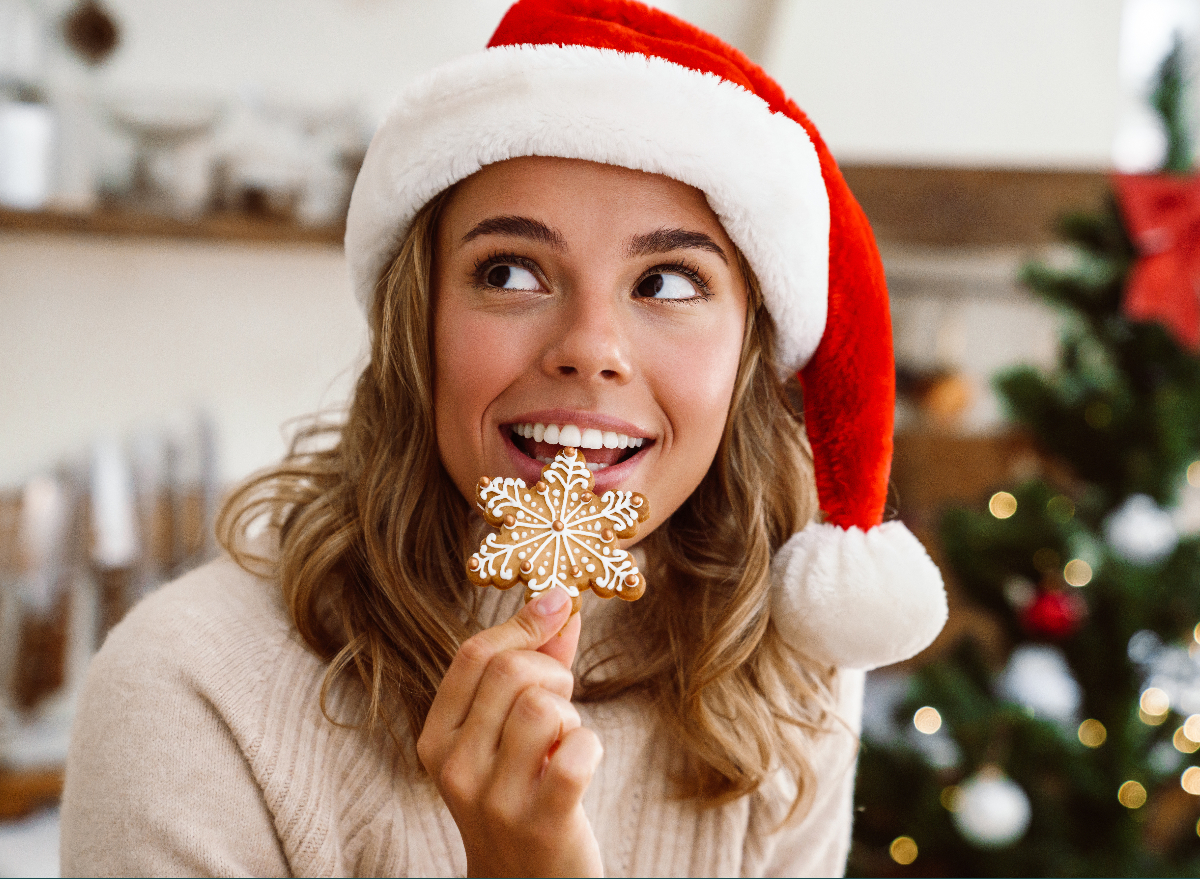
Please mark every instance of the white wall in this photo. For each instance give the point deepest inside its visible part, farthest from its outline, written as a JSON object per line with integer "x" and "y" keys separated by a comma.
{"x": 115, "y": 336}
{"x": 962, "y": 82}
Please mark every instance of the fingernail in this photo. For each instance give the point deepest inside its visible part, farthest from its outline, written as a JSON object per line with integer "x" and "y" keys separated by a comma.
{"x": 552, "y": 602}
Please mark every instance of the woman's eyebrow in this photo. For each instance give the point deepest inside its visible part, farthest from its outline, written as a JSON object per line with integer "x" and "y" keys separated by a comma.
{"x": 665, "y": 240}
{"x": 519, "y": 227}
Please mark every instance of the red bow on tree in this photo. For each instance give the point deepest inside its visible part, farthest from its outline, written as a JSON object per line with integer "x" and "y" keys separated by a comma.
{"x": 1162, "y": 213}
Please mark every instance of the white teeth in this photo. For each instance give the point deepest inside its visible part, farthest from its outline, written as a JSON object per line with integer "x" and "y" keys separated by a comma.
{"x": 594, "y": 467}
{"x": 572, "y": 435}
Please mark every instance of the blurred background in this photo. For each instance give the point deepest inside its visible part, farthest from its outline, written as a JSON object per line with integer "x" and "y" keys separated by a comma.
{"x": 173, "y": 182}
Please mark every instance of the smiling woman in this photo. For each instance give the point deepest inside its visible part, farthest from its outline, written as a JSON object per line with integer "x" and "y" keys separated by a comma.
{"x": 608, "y": 232}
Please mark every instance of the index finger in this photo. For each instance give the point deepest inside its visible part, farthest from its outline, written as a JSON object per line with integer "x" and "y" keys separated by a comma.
{"x": 528, "y": 629}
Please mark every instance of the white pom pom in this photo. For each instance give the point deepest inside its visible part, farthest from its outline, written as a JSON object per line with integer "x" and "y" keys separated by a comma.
{"x": 857, "y": 599}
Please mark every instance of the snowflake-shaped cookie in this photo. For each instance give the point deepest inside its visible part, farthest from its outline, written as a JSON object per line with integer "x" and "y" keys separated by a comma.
{"x": 558, "y": 533}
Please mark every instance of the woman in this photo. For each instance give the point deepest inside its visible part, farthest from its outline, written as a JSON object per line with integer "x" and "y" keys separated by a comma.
{"x": 610, "y": 222}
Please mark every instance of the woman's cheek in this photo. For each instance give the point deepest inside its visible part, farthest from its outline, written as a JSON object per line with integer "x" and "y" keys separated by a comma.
{"x": 696, "y": 373}
{"x": 472, "y": 367}
{"x": 693, "y": 377}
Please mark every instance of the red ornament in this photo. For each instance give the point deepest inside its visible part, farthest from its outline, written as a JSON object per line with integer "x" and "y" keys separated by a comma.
{"x": 1054, "y": 614}
{"x": 1162, "y": 213}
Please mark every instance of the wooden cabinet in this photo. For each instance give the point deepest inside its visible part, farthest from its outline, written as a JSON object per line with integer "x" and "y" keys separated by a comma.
{"x": 934, "y": 471}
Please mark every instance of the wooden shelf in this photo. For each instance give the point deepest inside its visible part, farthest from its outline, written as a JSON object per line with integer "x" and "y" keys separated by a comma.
{"x": 121, "y": 223}
{"x": 965, "y": 207}
{"x": 934, "y": 206}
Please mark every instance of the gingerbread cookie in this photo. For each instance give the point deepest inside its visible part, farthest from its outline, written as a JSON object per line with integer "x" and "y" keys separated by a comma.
{"x": 558, "y": 533}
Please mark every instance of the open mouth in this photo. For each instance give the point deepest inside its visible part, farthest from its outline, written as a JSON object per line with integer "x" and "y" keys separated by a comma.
{"x": 601, "y": 448}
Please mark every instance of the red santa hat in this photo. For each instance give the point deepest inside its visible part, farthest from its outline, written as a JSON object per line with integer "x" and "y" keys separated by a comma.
{"x": 621, "y": 83}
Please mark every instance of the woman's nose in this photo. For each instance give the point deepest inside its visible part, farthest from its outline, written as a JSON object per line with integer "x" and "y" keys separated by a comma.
{"x": 591, "y": 343}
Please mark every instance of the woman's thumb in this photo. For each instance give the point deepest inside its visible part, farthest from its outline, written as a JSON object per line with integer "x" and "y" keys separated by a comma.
{"x": 550, "y": 623}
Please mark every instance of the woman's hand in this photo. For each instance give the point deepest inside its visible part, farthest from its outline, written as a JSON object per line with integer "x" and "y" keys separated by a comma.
{"x": 507, "y": 751}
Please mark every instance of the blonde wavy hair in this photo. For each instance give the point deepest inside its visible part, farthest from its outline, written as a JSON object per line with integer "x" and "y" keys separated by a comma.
{"x": 373, "y": 536}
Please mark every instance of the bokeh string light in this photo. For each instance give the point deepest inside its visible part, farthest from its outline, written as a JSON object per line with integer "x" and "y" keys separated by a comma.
{"x": 1190, "y": 780}
{"x": 903, "y": 850}
{"x": 1077, "y": 572}
{"x": 927, "y": 720}
{"x": 1132, "y": 795}
{"x": 1153, "y": 706}
{"x": 1092, "y": 733}
{"x": 1183, "y": 742}
{"x": 1002, "y": 505}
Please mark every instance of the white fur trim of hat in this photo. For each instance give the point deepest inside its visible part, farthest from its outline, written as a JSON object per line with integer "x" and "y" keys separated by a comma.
{"x": 758, "y": 169}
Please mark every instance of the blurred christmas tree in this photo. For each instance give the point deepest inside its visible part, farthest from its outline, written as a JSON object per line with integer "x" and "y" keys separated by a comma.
{"x": 1079, "y": 753}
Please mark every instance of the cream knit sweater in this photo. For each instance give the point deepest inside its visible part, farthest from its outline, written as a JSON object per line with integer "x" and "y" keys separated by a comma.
{"x": 200, "y": 749}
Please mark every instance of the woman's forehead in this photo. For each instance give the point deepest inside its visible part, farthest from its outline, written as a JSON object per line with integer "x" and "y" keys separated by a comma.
{"x": 577, "y": 193}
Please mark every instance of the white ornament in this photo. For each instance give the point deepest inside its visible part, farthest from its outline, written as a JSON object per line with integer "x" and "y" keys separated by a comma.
{"x": 1143, "y": 646}
{"x": 1172, "y": 668}
{"x": 1140, "y": 531}
{"x": 1038, "y": 678}
{"x": 992, "y": 810}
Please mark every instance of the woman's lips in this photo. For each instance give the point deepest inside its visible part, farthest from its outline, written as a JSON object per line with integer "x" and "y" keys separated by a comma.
{"x": 530, "y": 469}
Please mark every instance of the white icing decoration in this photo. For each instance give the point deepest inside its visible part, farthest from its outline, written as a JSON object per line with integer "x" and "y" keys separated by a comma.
{"x": 576, "y": 542}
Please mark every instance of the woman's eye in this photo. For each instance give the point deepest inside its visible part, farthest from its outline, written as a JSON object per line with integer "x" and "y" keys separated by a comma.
{"x": 512, "y": 278}
{"x": 665, "y": 286}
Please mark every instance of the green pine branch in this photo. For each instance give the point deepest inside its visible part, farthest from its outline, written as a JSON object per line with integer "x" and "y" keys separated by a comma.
{"x": 1169, "y": 99}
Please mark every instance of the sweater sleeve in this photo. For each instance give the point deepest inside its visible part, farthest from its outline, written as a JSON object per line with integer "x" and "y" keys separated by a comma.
{"x": 819, "y": 844}
{"x": 156, "y": 782}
